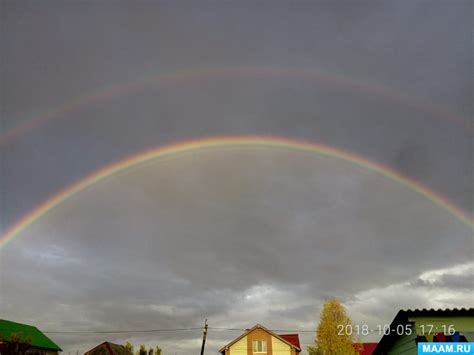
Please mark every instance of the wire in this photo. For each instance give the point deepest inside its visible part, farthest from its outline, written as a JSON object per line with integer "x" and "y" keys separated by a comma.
{"x": 273, "y": 330}
{"x": 178, "y": 330}
{"x": 119, "y": 331}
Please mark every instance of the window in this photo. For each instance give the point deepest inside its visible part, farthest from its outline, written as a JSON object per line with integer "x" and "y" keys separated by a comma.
{"x": 259, "y": 346}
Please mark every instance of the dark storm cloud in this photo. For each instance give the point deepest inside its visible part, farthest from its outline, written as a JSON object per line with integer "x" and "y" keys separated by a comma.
{"x": 249, "y": 204}
{"x": 61, "y": 51}
{"x": 249, "y": 236}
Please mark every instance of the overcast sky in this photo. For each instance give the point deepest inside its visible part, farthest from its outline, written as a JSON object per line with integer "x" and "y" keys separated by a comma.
{"x": 241, "y": 235}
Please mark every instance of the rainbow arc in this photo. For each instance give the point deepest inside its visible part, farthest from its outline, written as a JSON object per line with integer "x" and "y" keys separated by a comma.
{"x": 220, "y": 143}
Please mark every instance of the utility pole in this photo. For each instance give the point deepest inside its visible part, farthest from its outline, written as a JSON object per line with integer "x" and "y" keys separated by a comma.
{"x": 204, "y": 335}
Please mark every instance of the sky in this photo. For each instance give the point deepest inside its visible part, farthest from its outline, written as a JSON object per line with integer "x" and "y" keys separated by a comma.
{"x": 244, "y": 233}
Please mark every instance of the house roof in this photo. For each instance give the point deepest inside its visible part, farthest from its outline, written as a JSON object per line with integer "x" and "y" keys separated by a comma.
{"x": 110, "y": 348}
{"x": 463, "y": 312}
{"x": 368, "y": 348}
{"x": 38, "y": 339}
{"x": 292, "y": 338}
{"x": 403, "y": 316}
{"x": 266, "y": 330}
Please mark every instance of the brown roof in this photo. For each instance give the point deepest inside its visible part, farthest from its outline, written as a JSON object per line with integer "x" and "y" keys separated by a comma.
{"x": 367, "y": 348}
{"x": 292, "y": 338}
{"x": 265, "y": 329}
{"x": 110, "y": 348}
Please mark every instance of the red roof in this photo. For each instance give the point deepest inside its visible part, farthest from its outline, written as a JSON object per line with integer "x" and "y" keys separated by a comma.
{"x": 291, "y": 338}
{"x": 368, "y": 348}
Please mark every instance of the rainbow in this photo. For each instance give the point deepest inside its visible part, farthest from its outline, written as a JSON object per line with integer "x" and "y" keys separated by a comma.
{"x": 223, "y": 142}
{"x": 184, "y": 76}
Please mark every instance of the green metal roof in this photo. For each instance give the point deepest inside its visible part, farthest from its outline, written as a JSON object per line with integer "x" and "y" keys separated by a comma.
{"x": 38, "y": 339}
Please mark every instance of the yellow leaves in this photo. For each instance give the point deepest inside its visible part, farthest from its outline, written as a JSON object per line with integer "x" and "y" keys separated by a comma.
{"x": 331, "y": 339}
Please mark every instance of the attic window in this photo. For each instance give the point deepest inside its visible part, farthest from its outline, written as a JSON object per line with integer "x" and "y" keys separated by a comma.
{"x": 259, "y": 346}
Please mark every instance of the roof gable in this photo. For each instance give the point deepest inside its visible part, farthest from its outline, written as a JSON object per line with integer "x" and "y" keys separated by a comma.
{"x": 258, "y": 326}
{"x": 38, "y": 339}
{"x": 109, "y": 348}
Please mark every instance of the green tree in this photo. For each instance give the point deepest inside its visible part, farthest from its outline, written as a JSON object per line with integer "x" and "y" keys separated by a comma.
{"x": 129, "y": 347}
{"x": 329, "y": 339}
{"x": 142, "y": 350}
{"x": 16, "y": 345}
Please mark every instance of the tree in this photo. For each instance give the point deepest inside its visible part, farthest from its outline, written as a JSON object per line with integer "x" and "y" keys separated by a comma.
{"x": 17, "y": 344}
{"x": 142, "y": 350}
{"x": 330, "y": 340}
{"x": 129, "y": 347}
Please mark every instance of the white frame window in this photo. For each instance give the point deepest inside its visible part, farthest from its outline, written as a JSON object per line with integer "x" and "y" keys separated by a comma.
{"x": 259, "y": 346}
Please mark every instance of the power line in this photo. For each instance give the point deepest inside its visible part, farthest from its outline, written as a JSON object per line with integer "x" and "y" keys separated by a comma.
{"x": 124, "y": 331}
{"x": 118, "y": 331}
{"x": 273, "y": 330}
{"x": 174, "y": 330}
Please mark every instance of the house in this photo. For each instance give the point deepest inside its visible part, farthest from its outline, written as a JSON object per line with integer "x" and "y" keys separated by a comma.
{"x": 426, "y": 325}
{"x": 261, "y": 341}
{"x": 367, "y": 348}
{"x": 107, "y": 348}
{"x": 32, "y": 340}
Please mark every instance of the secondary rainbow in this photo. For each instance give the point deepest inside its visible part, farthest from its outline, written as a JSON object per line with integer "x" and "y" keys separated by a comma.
{"x": 183, "y": 76}
{"x": 222, "y": 142}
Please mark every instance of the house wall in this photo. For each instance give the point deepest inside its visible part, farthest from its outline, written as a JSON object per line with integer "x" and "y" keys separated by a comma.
{"x": 464, "y": 325}
{"x": 259, "y": 334}
{"x": 239, "y": 348}
{"x": 280, "y": 348}
{"x": 274, "y": 346}
{"x": 406, "y": 344}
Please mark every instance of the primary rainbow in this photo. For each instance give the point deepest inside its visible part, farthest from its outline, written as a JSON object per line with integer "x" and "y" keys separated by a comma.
{"x": 221, "y": 142}
{"x": 180, "y": 76}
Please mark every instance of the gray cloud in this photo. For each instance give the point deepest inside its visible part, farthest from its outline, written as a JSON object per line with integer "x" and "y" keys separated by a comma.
{"x": 237, "y": 235}
{"x": 425, "y": 58}
{"x": 427, "y": 290}
{"x": 241, "y": 235}
{"x": 461, "y": 280}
